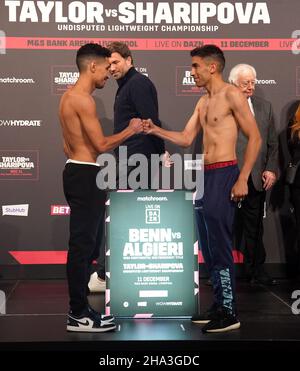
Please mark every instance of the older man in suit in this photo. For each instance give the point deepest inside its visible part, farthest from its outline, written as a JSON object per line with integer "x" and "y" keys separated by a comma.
{"x": 249, "y": 217}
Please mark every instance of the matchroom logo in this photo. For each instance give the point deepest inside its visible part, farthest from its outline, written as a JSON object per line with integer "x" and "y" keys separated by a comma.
{"x": 19, "y": 165}
{"x": 62, "y": 78}
{"x": 16, "y": 80}
{"x": 185, "y": 84}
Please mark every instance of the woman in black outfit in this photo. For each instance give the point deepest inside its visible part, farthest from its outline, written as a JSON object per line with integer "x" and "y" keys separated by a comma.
{"x": 294, "y": 149}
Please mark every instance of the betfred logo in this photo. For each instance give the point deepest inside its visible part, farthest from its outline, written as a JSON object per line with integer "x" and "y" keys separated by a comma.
{"x": 60, "y": 210}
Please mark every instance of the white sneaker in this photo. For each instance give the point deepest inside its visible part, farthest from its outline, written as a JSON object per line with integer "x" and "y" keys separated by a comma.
{"x": 95, "y": 285}
{"x": 90, "y": 321}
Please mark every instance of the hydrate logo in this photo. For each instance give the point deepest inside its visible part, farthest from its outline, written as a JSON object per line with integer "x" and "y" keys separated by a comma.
{"x": 20, "y": 123}
{"x": 15, "y": 210}
{"x": 60, "y": 210}
{"x": 15, "y": 80}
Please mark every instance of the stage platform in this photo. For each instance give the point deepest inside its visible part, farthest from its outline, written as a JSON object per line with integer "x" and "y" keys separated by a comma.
{"x": 35, "y": 319}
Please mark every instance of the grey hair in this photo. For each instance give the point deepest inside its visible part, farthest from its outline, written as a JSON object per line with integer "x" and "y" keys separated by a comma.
{"x": 238, "y": 70}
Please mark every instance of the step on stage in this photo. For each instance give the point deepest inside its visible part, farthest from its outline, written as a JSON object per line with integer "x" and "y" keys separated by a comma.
{"x": 34, "y": 318}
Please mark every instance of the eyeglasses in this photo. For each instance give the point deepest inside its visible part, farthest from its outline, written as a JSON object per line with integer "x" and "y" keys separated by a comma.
{"x": 245, "y": 84}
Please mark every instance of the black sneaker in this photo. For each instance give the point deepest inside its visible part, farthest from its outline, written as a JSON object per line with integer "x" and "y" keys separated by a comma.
{"x": 263, "y": 278}
{"x": 102, "y": 317}
{"x": 223, "y": 321}
{"x": 89, "y": 322}
{"x": 206, "y": 316}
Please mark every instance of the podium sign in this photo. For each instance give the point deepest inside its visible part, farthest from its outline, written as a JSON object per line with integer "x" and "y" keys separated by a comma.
{"x": 152, "y": 257}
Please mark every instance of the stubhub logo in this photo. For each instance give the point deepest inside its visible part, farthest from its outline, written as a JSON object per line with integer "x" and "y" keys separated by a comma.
{"x": 15, "y": 210}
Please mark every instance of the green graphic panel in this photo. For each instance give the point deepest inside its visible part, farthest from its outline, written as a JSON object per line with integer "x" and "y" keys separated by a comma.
{"x": 151, "y": 261}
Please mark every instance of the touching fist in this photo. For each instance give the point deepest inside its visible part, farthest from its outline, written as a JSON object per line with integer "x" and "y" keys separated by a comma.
{"x": 136, "y": 125}
{"x": 148, "y": 126}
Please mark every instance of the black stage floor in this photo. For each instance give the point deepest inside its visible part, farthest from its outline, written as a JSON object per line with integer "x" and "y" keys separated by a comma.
{"x": 34, "y": 318}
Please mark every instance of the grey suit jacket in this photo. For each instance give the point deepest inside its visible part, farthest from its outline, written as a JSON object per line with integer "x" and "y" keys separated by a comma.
{"x": 267, "y": 159}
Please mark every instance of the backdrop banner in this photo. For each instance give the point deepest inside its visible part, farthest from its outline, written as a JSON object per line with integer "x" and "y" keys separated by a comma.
{"x": 38, "y": 44}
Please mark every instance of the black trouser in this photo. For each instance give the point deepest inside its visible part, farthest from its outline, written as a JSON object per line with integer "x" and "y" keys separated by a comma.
{"x": 249, "y": 224}
{"x": 87, "y": 203}
{"x": 295, "y": 198}
{"x": 101, "y": 243}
